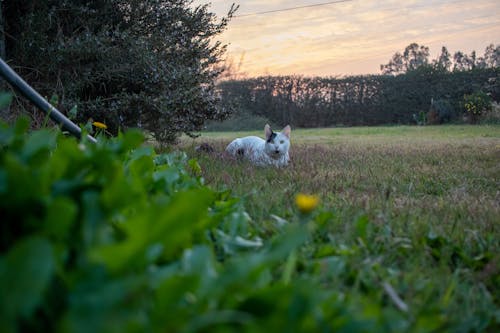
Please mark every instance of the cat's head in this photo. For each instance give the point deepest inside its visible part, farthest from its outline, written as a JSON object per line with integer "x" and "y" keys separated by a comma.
{"x": 277, "y": 143}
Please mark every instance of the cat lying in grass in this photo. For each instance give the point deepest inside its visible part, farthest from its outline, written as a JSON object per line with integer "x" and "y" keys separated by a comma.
{"x": 271, "y": 151}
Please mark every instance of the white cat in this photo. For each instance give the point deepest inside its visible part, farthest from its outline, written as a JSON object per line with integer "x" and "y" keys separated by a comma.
{"x": 272, "y": 151}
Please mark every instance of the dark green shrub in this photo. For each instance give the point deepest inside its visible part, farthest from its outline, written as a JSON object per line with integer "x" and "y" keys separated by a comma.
{"x": 441, "y": 112}
{"x": 149, "y": 64}
{"x": 475, "y": 105}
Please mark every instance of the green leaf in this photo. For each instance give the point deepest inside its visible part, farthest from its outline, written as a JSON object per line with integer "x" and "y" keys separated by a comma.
{"x": 131, "y": 139}
{"x": 361, "y": 226}
{"x": 61, "y": 213}
{"x": 38, "y": 143}
{"x": 290, "y": 267}
{"x": 195, "y": 167}
{"x": 174, "y": 225}
{"x": 73, "y": 112}
{"x": 25, "y": 273}
{"x": 54, "y": 100}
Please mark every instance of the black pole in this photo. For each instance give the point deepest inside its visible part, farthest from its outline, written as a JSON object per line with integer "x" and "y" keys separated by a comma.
{"x": 27, "y": 91}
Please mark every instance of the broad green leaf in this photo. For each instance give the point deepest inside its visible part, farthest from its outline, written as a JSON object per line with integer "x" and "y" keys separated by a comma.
{"x": 25, "y": 273}
{"x": 40, "y": 142}
{"x": 174, "y": 225}
{"x": 61, "y": 214}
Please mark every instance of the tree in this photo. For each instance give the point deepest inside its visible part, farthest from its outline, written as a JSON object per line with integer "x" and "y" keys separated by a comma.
{"x": 128, "y": 63}
{"x": 444, "y": 60}
{"x": 413, "y": 57}
{"x": 416, "y": 56}
{"x": 492, "y": 56}
{"x": 395, "y": 65}
{"x": 464, "y": 62}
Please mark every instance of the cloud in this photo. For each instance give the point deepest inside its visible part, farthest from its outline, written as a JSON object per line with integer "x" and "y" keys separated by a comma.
{"x": 351, "y": 37}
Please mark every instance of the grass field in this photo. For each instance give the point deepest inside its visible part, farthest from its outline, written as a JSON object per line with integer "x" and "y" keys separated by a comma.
{"x": 434, "y": 174}
{"x": 417, "y": 206}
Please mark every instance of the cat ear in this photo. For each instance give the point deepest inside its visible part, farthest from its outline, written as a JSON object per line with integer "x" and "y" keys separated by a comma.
{"x": 268, "y": 131}
{"x": 286, "y": 131}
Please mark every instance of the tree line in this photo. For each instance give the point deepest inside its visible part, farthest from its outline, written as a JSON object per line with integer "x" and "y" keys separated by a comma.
{"x": 410, "y": 84}
{"x": 415, "y": 56}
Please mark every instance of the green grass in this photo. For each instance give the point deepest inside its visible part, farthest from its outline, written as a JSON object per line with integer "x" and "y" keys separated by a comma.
{"x": 421, "y": 202}
{"x": 447, "y": 176}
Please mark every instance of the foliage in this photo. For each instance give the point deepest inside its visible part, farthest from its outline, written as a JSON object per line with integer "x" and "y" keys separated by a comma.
{"x": 476, "y": 104}
{"x": 135, "y": 63}
{"x": 239, "y": 121}
{"x": 417, "y": 56}
{"x": 113, "y": 237}
{"x": 441, "y": 111}
{"x": 413, "y": 57}
{"x": 401, "y": 98}
{"x": 421, "y": 118}
{"x": 361, "y": 100}
{"x": 493, "y": 116}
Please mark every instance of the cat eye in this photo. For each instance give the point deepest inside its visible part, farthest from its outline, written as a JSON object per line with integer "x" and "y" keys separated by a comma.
{"x": 282, "y": 141}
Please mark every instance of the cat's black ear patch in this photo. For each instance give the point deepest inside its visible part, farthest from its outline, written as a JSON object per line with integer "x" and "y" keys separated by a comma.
{"x": 271, "y": 138}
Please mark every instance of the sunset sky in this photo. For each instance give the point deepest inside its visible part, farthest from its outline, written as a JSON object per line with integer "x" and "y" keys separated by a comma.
{"x": 335, "y": 38}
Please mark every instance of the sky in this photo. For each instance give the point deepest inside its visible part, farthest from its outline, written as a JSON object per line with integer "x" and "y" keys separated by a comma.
{"x": 349, "y": 37}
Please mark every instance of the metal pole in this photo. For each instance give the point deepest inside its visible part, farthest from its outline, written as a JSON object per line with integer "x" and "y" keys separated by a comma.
{"x": 31, "y": 94}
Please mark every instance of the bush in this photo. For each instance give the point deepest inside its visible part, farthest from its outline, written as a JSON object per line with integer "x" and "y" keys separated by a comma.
{"x": 441, "y": 112}
{"x": 148, "y": 64}
{"x": 493, "y": 116}
{"x": 108, "y": 237}
{"x": 475, "y": 105}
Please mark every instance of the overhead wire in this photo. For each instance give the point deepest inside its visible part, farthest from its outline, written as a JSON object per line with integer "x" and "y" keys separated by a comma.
{"x": 387, "y": 9}
{"x": 293, "y": 8}
{"x": 381, "y": 9}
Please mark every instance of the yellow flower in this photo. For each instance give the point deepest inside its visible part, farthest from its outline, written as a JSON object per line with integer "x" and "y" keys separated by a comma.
{"x": 99, "y": 125}
{"x": 306, "y": 203}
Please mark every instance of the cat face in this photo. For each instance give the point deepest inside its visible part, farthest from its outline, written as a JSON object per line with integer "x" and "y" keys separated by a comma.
{"x": 277, "y": 144}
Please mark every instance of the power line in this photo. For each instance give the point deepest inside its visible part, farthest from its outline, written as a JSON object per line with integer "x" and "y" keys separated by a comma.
{"x": 387, "y": 9}
{"x": 293, "y": 8}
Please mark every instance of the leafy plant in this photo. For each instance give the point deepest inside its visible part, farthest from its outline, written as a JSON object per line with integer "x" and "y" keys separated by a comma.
{"x": 441, "y": 111}
{"x": 113, "y": 237}
{"x": 476, "y": 104}
{"x": 150, "y": 64}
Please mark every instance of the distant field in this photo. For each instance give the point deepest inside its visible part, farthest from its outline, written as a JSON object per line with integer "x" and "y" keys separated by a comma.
{"x": 380, "y": 134}
{"x": 430, "y": 197}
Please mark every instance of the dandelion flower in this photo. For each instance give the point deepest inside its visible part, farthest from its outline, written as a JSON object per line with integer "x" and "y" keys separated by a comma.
{"x": 306, "y": 203}
{"x": 99, "y": 125}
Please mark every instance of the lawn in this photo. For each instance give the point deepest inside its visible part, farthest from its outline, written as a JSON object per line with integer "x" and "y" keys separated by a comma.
{"x": 446, "y": 176}
{"x": 417, "y": 206}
